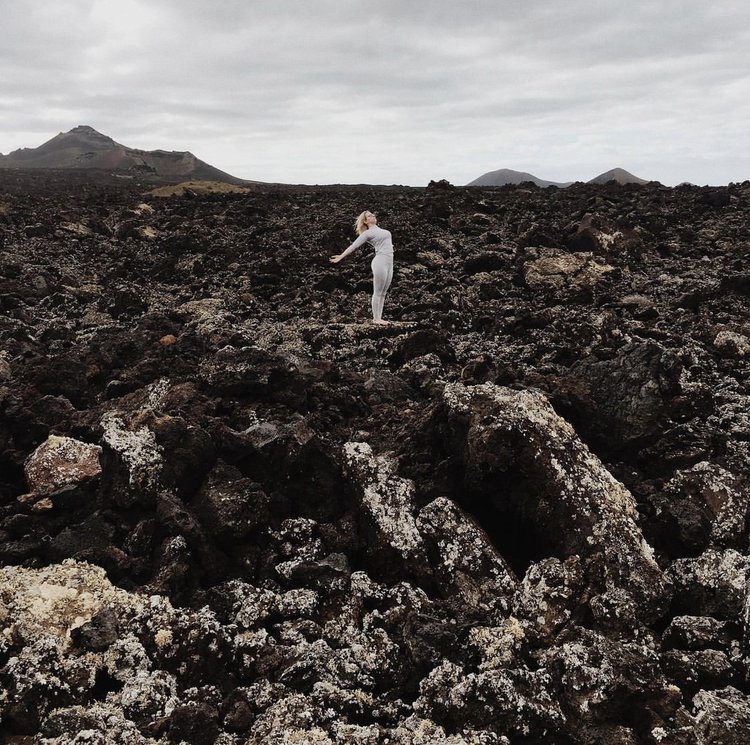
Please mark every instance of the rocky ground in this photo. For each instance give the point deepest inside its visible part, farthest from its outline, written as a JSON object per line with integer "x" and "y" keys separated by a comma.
{"x": 231, "y": 511}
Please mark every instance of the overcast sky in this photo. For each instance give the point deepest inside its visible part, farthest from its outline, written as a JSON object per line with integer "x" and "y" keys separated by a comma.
{"x": 391, "y": 91}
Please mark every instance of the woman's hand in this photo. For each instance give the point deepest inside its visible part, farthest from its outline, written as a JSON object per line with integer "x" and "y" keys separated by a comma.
{"x": 336, "y": 259}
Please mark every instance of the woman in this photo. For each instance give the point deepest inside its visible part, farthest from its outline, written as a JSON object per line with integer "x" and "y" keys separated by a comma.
{"x": 382, "y": 265}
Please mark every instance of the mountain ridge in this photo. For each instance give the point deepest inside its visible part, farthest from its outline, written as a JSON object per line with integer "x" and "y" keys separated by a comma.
{"x": 84, "y": 147}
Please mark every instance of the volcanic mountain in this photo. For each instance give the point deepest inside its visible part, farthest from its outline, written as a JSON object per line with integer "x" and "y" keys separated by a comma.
{"x": 84, "y": 147}
{"x": 505, "y": 176}
{"x": 617, "y": 174}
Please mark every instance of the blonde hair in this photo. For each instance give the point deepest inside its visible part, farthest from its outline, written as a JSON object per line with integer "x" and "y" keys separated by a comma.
{"x": 359, "y": 224}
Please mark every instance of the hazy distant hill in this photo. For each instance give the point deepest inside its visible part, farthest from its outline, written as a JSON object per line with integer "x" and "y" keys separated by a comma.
{"x": 84, "y": 147}
{"x": 617, "y": 174}
{"x": 507, "y": 176}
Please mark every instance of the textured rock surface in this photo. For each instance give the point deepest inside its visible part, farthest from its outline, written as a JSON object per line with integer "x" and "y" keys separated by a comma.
{"x": 233, "y": 512}
{"x": 525, "y": 459}
{"x": 60, "y": 462}
{"x": 385, "y": 497}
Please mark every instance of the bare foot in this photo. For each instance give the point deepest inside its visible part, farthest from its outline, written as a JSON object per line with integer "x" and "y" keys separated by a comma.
{"x": 381, "y": 322}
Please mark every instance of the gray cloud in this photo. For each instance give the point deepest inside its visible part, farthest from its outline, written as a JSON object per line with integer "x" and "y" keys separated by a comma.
{"x": 319, "y": 91}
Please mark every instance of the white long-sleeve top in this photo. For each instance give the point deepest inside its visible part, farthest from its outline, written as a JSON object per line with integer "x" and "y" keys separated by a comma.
{"x": 380, "y": 240}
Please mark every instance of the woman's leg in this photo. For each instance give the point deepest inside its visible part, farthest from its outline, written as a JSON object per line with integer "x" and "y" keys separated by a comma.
{"x": 382, "y": 274}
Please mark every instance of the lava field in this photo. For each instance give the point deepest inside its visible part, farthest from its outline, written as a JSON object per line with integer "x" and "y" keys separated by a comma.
{"x": 233, "y": 511}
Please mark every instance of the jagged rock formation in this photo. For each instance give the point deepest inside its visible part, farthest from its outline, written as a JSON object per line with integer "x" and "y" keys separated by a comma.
{"x": 84, "y": 147}
{"x": 233, "y": 512}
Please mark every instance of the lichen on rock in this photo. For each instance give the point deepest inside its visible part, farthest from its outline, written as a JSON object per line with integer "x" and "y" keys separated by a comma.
{"x": 60, "y": 462}
{"x": 386, "y": 498}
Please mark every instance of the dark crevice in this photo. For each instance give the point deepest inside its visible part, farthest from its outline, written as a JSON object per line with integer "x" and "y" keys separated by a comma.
{"x": 511, "y": 529}
{"x": 104, "y": 684}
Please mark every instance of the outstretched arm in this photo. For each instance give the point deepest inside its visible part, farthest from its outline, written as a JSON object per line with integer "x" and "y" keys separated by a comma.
{"x": 357, "y": 243}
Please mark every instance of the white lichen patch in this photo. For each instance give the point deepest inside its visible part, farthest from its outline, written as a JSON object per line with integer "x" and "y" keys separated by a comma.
{"x": 721, "y": 577}
{"x": 417, "y": 731}
{"x": 149, "y": 694}
{"x": 143, "y": 209}
{"x": 53, "y": 600}
{"x": 733, "y": 344}
{"x": 386, "y": 497}
{"x": 137, "y": 448}
{"x": 464, "y": 550}
{"x": 558, "y": 269}
{"x": 156, "y": 392}
{"x": 201, "y": 308}
{"x": 163, "y": 638}
{"x": 146, "y": 231}
{"x": 607, "y": 239}
{"x": 6, "y": 372}
{"x": 496, "y": 645}
{"x": 106, "y": 725}
{"x": 298, "y": 603}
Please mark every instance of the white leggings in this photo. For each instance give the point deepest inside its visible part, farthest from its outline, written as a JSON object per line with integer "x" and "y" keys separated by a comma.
{"x": 382, "y": 274}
